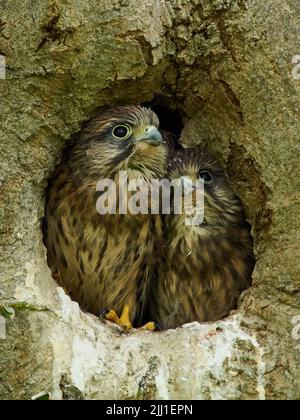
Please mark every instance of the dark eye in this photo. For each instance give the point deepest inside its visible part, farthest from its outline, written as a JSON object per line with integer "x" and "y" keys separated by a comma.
{"x": 121, "y": 131}
{"x": 206, "y": 176}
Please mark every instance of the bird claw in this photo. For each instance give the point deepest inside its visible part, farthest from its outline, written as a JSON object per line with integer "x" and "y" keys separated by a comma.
{"x": 103, "y": 313}
{"x": 123, "y": 321}
{"x": 151, "y": 326}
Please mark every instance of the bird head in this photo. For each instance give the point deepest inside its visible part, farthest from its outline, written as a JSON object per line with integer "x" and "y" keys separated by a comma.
{"x": 221, "y": 206}
{"x": 120, "y": 139}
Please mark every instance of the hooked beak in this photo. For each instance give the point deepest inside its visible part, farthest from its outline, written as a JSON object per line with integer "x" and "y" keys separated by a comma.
{"x": 150, "y": 135}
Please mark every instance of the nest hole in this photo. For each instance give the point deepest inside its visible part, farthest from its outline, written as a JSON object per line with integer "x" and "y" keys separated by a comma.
{"x": 171, "y": 121}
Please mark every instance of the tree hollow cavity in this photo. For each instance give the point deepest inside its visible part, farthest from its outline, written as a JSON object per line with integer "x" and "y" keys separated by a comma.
{"x": 182, "y": 130}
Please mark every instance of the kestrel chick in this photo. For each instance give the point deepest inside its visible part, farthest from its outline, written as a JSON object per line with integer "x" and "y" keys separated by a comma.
{"x": 204, "y": 267}
{"x": 106, "y": 261}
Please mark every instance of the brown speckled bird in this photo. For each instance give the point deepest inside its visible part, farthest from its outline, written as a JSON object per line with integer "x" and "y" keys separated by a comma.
{"x": 204, "y": 268}
{"x": 106, "y": 261}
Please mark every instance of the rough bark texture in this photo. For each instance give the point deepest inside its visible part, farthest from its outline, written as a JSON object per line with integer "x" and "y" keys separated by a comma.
{"x": 225, "y": 67}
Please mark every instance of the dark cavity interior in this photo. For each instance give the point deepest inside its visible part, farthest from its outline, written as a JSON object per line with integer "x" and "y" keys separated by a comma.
{"x": 170, "y": 120}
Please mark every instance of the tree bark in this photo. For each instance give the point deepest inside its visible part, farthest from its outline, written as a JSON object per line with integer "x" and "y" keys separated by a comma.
{"x": 226, "y": 67}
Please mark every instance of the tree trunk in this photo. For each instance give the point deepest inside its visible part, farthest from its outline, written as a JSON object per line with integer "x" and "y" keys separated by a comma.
{"x": 226, "y": 68}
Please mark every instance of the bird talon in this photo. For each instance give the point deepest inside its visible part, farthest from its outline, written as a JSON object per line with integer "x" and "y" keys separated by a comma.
{"x": 110, "y": 315}
{"x": 158, "y": 327}
{"x": 103, "y": 313}
{"x": 123, "y": 321}
{"x": 151, "y": 326}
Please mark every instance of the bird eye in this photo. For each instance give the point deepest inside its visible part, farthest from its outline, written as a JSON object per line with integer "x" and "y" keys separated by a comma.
{"x": 121, "y": 132}
{"x": 206, "y": 176}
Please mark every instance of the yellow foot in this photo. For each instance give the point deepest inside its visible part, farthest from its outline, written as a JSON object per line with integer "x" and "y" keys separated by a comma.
{"x": 123, "y": 321}
{"x": 150, "y": 326}
{"x": 125, "y": 318}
